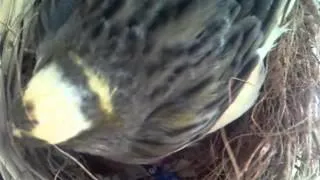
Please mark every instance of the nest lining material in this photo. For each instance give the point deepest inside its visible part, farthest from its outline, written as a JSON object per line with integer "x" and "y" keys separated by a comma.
{"x": 276, "y": 139}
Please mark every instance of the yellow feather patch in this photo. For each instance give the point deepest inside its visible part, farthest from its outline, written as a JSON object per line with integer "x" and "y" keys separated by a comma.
{"x": 97, "y": 84}
{"x": 182, "y": 119}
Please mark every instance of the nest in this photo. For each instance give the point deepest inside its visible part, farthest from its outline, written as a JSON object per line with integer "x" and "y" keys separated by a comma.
{"x": 277, "y": 139}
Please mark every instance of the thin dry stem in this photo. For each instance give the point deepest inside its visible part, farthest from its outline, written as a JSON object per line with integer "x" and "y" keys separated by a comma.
{"x": 77, "y": 162}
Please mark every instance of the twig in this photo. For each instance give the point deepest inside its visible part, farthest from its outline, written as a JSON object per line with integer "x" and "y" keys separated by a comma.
{"x": 253, "y": 154}
{"x": 230, "y": 86}
{"x": 8, "y": 28}
{"x": 77, "y": 162}
{"x": 231, "y": 154}
{"x": 57, "y": 175}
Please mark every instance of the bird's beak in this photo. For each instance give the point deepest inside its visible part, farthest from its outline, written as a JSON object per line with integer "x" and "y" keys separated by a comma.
{"x": 21, "y": 126}
{"x": 19, "y": 117}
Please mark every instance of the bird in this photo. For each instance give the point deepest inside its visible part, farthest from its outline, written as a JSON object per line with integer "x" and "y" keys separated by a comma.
{"x": 135, "y": 81}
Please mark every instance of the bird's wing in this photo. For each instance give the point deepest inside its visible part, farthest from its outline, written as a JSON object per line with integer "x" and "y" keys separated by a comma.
{"x": 210, "y": 73}
{"x": 177, "y": 65}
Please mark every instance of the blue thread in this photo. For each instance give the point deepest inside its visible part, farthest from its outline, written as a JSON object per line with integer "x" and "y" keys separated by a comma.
{"x": 159, "y": 173}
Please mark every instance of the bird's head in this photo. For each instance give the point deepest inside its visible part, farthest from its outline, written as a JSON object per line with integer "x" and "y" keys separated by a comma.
{"x": 63, "y": 100}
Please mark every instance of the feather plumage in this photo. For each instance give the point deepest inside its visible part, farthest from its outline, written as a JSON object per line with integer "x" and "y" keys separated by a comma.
{"x": 170, "y": 62}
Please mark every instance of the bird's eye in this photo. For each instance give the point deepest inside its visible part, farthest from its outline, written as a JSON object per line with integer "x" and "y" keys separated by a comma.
{"x": 29, "y": 110}
{"x": 29, "y": 107}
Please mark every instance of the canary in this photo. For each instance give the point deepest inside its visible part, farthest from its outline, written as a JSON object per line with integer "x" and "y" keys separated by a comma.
{"x": 137, "y": 80}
